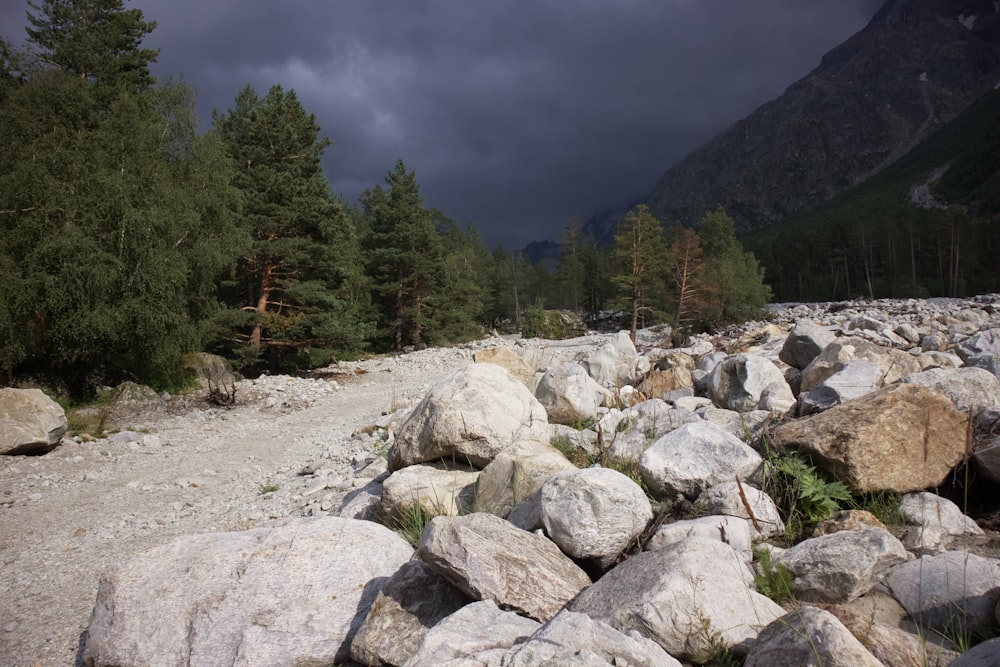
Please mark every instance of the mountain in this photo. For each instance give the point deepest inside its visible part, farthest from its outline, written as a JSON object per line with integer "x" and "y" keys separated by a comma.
{"x": 916, "y": 66}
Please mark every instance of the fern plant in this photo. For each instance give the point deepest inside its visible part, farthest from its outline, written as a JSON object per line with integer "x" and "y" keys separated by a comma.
{"x": 801, "y": 494}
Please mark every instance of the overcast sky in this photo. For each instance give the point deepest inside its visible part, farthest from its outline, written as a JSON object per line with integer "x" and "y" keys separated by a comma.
{"x": 514, "y": 114}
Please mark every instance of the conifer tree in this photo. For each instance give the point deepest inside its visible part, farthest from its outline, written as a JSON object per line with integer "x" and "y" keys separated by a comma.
{"x": 570, "y": 272}
{"x": 740, "y": 291}
{"x": 641, "y": 265}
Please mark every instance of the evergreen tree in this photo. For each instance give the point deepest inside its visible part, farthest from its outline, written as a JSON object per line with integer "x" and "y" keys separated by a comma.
{"x": 404, "y": 253}
{"x": 570, "y": 271}
{"x": 740, "y": 291}
{"x": 597, "y": 287}
{"x": 641, "y": 264}
{"x": 297, "y": 286}
{"x": 692, "y": 295}
{"x": 465, "y": 283}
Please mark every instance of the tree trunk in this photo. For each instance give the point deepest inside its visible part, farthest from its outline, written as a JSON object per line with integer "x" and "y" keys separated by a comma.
{"x": 266, "y": 286}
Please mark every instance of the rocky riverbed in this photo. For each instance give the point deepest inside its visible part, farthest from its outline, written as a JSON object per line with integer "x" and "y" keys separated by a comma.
{"x": 290, "y": 447}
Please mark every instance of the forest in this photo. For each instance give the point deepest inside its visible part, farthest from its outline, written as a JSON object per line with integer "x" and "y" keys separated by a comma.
{"x": 128, "y": 238}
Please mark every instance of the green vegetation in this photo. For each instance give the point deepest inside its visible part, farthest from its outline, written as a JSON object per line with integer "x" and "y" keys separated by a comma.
{"x": 803, "y": 497}
{"x": 268, "y": 488}
{"x": 772, "y": 579}
{"x": 409, "y": 522}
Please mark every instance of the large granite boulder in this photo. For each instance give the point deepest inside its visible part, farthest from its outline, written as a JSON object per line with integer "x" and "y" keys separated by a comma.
{"x": 616, "y": 363}
{"x": 292, "y": 593}
{"x": 808, "y": 636}
{"x": 744, "y": 382}
{"x": 804, "y": 343}
{"x": 489, "y": 558}
{"x": 30, "y": 422}
{"x": 854, "y": 380}
{"x": 900, "y": 438}
{"x": 971, "y": 389}
{"x": 569, "y": 395}
{"x": 516, "y": 474}
{"x": 436, "y": 488}
{"x": 627, "y": 433}
{"x": 508, "y": 359}
{"x": 470, "y": 416}
{"x": 895, "y": 364}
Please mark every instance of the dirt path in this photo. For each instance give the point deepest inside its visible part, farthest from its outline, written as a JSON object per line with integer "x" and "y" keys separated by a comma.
{"x": 69, "y": 515}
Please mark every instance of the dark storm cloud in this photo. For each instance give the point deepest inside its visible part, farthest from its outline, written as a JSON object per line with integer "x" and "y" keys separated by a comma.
{"x": 514, "y": 114}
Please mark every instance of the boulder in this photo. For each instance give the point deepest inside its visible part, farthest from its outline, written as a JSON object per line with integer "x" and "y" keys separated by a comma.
{"x": 489, "y": 558}
{"x": 627, "y": 433}
{"x": 804, "y": 343}
{"x": 694, "y": 457}
{"x": 672, "y": 373}
{"x": 291, "y": 593}
{"x": 970, "y": 389}
{"x": 936, "y": 522}
{"x": 735, "y": 532}
{"x": 516, "y": 474}
{"x": 889, "y": 644}
{"x": 981, "y": 350}
{"x": 688, "y": 598}
{"x": 743, "y": 383}
{"x": 747, "y": 426}
{"x": 983, "y": 655}
{"x": 470, "y": 416}
{"x": 437, "y": 488}
{"x": 30, "y": 422}
{"x": 574, "y": 639}
{"x": 848, "y": 520}
{"x": 569, "y": 395}
{"x": 209, "y": 371}
{"x": 476, "y": 627}
{"x": 949, "y": 592}
{"x": 841, "y": 566}
{"x": 751, "y": 504}
{"x": 808, "y": 636}
{"x": 411, "y": 602}
{"x": 895, "y": 364}
{"x": 507, "y": 359}
{"x": 617, "y": 363}
{"x": 593, "y": 513}
{"x": 364, "y": 503}
{"x": 854, "y": 380}
{"x": 900, "y": 438}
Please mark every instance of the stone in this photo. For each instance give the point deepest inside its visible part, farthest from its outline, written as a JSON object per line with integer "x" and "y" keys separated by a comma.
{"x": 473, "y": 628}
{"x": 570, "y": 637}
{"x": 895, "y": 364}
{"x": 981, "y": 350}
{"x": 593, "y": 513}
{"x": 617, "y": 363}
{"x": 569, "y": 395}
{"x": 516, "y": 474}
{"x": 890, "y": 645}
{"x": 743, "y": 383}
{"x": 210, "y": 371}
{"x": 841, "y": 566}
{"x": 987, "y": 460}
{"x": 292, "y": 593}
{"x": 936, "y": 522}
{"x": 507, "y": 359}
{"x": 30, "y": 422}
{"x": 470, "y": 416}
{"x": 736, "y": 532}
{"x": 726, "y": 499}
{"x": 660, "y": 381}
{"x": 970, "y": 389}
{"x": 944, "y": 592}
{"x": 627, "y": 433}
{"x": 804, "y": 343}
{"x": 854, "y": 380}
{"x": 489, "y": 558}
{"x": 687, "y": 598}
{"x": 694, "y": 457}
{"x": 808, "y": 636}
{"x": 363, "y": 503}
{"x": 437, "y": 488}
{"x": 900, "y": 438}
{"x": 848, "y": 520}
{"x": 986, "y": 654}
{"x": 411, "y": 602}
{"x": 747, "y": 426}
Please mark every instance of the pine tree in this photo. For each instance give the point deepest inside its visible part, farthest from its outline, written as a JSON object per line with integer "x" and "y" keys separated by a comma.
{"x": 405, "y": 259}
{"x": 738, "y": 279}
{"x": 641, "y": 264}
{"x": 570, "y": 275}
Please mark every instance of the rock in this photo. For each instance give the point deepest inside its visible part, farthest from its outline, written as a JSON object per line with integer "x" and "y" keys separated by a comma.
{"x": 411, "y": 602}
{"x": 981, "y": 350}
{"x": 804, "y": 343}
{"x": 970, "y": 389}
{"x": 808, "y": 636}
{"x": 987, "y": 460}
{"x": 743, "y": 383}
{"x": 726, "y": 499}
{"x": 364, "y": 503}
{"x": 694, "y": 457}
{"x": 672, "y": 373}
{"x": 895, "y": 364}
{"x": 210, "y": 371}
{"x": 437, "y": 488}
{"x": 30, "y": 422}
{"x": 516, "y": 474}
{"x": 937, "y": 520}
{"x": 841, "y": 566}
{"x": 747, "y": 426}
{"x": 948, "y": 592}
{"x": 735, "y": 532}
{"x": 491, "y": 559}
{"x": 854, "y": 380}
{"x": 848, "y": 520}
{"x": 470, "y": 416}
{"x": 507, "y": 359}
{"x": 471, "y": 629}
{"x": 570, "y": 638}
{"x": 569, "y": 395}
{"x": 627, "y": 433}
{"x": 986, "y": 654}
{"x": 593, "y": 513}
{"x": 889, "y": 644}
{"x": 686, "y": 598}
{"x": 293, "y": 593}
{"x": 617, "y": 363}
{"x": 900, "y": 438}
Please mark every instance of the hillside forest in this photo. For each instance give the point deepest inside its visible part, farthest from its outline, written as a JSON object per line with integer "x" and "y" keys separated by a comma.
{"x": 128, "y": 238}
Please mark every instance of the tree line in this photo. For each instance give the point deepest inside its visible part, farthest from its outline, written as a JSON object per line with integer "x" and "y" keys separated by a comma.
{"x": 127, "y": 238}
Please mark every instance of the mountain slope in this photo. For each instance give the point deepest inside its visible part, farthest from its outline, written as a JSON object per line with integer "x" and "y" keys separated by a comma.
{"x": 915, "y": 67}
